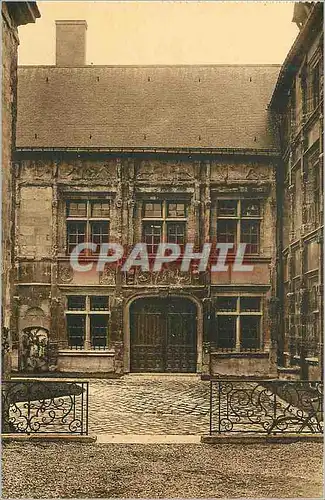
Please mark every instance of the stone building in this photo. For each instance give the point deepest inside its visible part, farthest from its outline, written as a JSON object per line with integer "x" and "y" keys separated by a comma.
{"x": 144, "y": 154}
{"x": 297, "y": 103}
{"x": 14, "y": 14}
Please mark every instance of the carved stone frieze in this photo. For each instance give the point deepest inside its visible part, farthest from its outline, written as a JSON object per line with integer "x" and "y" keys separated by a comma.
{"x": 37, "y": 170}
{"x": 230, "y": 173}
{"x": 165, "y": 172}
{"x": 87, "y": 171}
{"x": 170, "y": 276}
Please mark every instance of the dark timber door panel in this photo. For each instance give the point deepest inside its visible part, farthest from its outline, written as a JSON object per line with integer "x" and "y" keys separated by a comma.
{"x": 163, "y": 335}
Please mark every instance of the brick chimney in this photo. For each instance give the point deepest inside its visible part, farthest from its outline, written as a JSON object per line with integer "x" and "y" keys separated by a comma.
{"x": 71, "y": 43}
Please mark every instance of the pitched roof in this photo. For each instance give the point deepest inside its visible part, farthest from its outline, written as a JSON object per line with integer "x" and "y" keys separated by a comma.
{"x": 145, "y": 106}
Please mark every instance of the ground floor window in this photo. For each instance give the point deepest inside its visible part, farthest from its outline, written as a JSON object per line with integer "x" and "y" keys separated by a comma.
{"x": 238, "y": 323}
{"x": 87, "y": 321}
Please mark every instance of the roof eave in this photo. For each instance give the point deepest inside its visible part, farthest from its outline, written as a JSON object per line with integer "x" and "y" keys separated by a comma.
{"x": 166, "y": 150}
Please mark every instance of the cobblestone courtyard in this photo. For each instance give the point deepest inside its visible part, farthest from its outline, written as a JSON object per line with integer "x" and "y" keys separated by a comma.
{"x": 149, "y": 404}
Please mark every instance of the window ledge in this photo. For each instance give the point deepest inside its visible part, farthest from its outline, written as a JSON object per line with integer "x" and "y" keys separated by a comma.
{"x": 312, "y": 361}
{"x": 243, "y": 354}
{"x": 87, "y": 352}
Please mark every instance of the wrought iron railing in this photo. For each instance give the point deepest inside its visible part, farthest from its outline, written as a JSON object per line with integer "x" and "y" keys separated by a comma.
{"x": 39, "y": 406}
{"x": 266, "y": 406}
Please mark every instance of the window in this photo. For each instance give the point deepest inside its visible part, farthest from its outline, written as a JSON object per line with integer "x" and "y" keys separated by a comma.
{"x": 87, "y": 221}
{"x": 87, "y": 321}
{"x": 315, "y": 87}
{"x": 317, "y": 194}
{"x": 163, "y": 221}
{"x": 238, "y": 323}
{"x": 238, "y": 221}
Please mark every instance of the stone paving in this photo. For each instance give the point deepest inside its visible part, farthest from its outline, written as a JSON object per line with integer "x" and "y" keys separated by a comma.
{"x": 149, "y": 404}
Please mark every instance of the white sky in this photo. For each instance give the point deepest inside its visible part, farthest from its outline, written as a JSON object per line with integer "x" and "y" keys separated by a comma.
{"x": 167, "y": 32}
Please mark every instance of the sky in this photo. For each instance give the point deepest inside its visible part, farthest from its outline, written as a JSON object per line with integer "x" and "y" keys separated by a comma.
{"x": 167, "y": 32}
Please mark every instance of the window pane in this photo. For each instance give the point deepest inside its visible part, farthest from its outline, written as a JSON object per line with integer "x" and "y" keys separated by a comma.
{"x": 226, "y": 328}
{"x": 77, "y": 209}
{"x": 249, "y": 332}
{"x": 99, "y": 232}
{"x": 250, "y": 304}
{"x": 152, "y": 237}
{"x": 153, "y": 209}
{"x": 250, "y": 234}
{"x": 250, "y": 208}
{"x": 176, "y": 233}
{"x": 76, "y": 302}
{"x": 226, "y": 231}
{"x": 76, "y": 331}
{"x": 98, "y": 331}
{"x": 76, "y": 233}
{"x": 176, "y": 210}
{"x": 226, "y": 304}
{"x": 227, "y": 208}
{"x": 100, "y": 209}
{"x": 98, "y": 303}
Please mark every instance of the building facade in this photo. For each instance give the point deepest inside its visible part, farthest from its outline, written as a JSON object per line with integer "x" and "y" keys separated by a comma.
{"x": 13, "y": 15}
{"x": 298, "y": 106}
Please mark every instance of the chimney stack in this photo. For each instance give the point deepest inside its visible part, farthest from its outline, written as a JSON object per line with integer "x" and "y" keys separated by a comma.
{"x": 71, "y": 43}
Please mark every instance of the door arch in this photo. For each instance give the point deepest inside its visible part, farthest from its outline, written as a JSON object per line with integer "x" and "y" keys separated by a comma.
{"x": 163, "y": 335}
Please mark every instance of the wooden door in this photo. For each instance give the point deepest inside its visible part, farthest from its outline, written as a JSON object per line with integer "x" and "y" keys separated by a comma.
{"x": 163, "y": 335}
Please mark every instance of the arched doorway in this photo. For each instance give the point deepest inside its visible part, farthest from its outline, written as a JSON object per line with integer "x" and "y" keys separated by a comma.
{"x": 163, "y": 335}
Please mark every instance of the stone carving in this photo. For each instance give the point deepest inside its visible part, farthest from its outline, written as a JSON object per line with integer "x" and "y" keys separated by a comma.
{"x": 167, "y": 276}
{"x": 252, "y": 175}
{"x": 107, "y": 277}
{"x": 87, "y": 171}
{"x": 165, "y": 171}
{"x": 34, "y": 350}
{"x": 220, "y": 173}
{"x": 65, "y": 272}
{"x": 229, "y": 173}
{"x": 37, "y": 170}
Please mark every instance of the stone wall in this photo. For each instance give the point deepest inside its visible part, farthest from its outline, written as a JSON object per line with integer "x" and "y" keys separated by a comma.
{"x": 13, "y": 15}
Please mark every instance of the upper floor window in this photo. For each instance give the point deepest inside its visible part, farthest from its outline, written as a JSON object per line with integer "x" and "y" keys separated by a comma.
{"x": 87, "y": 321}
{"x": 238, "y": 323}
{"x": 238, "y": 221}
{"x": 315, "y": 86}
{"x": 163, "y": 222}
{"x": 87, "y": 221}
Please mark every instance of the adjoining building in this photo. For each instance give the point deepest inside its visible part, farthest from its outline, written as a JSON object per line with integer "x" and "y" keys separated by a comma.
{"x": 147, "y": 154}
{"x": 297, "y": 104}
{"x": 13, "y": 15}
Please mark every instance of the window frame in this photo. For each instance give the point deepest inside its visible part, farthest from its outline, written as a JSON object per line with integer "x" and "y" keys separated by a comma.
{"x": 239, "y": 220}
{"x": 88, "y": 220}
{"x": 238, "y": 313}
{"x": 165, "y": 221}
{"x": 88, "y": 313}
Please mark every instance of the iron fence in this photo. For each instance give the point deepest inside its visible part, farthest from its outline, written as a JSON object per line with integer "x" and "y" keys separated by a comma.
{"x": 268, "y": 406}
{"x": 39, "y": 406}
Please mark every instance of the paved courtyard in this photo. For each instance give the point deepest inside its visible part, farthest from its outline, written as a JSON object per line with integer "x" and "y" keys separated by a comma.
{"x": 149, "y": 404}
{"x": 61, "y": 470}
